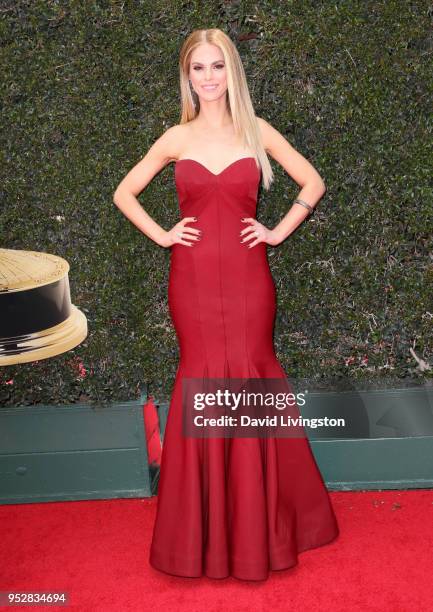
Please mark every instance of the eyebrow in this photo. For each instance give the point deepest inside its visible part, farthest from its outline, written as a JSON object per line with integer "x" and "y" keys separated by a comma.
{"x": 216, "y": 62}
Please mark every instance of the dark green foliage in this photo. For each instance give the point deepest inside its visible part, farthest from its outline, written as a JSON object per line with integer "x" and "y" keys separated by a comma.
{"x": 86, "y": 89}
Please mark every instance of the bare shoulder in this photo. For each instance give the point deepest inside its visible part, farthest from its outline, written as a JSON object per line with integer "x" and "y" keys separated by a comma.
{"x": 167, "y": 147}
{"x": 172, "y": 141}
{"x": 164, "y": 150}
{"x": 269, "y": 134}
{"x": 280, "y": 149}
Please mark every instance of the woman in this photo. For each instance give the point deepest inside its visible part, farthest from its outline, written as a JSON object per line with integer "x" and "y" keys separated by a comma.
{"x": 226, "y": 506}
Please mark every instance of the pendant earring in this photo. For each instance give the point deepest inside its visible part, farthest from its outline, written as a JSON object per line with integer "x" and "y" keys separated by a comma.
{"x": 193, "y": 94}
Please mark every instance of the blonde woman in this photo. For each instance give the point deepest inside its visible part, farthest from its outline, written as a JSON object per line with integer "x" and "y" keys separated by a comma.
{"x": 227, "y": 506}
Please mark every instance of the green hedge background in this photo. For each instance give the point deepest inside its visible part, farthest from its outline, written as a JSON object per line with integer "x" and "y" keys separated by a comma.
{"x": 88, "y": 87}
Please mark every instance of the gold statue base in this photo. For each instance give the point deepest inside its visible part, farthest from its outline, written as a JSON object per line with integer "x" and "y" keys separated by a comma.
{"x": 46, "y": 343}
{"x": 37, "y": 318}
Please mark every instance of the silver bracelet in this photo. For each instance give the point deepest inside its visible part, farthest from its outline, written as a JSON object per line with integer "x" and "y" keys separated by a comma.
{"x": 305, "y": 205}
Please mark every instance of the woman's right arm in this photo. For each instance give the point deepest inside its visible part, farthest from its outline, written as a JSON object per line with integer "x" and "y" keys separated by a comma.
{"x": 125, "y": 197}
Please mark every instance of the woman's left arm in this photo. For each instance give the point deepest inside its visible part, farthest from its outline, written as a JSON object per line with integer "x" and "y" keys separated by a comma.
{"x": 301, "y": 171}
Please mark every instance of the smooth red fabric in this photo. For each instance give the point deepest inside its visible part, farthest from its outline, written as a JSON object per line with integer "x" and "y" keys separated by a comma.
{"x": 230, "y": 506}
{"x": 152, "y": 432}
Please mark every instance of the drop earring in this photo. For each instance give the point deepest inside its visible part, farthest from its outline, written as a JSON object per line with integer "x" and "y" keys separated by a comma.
{"x": 193, "y": 94}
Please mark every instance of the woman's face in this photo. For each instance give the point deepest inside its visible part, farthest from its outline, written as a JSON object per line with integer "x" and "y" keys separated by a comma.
{"x": 207, "y": 72}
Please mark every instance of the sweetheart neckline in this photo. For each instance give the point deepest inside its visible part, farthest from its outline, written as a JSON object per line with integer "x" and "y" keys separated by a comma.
{"x": 210, "y": 171}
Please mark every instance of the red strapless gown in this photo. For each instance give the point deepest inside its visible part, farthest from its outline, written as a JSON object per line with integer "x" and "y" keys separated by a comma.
{"x": 230, "y": 506}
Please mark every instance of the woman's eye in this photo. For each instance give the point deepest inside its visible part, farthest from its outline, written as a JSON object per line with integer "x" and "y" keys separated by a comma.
{"x": 218, "y": 66}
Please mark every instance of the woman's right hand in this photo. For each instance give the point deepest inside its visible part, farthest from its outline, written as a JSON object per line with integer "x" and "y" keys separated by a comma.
{"x": 179, "y": 232}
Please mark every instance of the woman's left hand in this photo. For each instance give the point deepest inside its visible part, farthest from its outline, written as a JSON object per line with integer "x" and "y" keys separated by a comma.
{"x": 259, "y": 232}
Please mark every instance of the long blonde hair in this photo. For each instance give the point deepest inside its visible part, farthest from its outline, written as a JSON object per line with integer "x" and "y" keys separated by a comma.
{"x": 239, "y": 101}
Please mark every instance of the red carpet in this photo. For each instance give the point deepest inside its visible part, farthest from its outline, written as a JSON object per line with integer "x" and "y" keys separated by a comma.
{"x": 98, "y": 550}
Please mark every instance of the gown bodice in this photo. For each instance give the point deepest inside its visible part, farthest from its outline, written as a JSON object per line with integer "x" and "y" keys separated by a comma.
{"x": 237, "y": 184}
{"x": 219, "y": 202}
